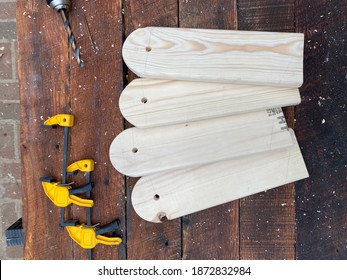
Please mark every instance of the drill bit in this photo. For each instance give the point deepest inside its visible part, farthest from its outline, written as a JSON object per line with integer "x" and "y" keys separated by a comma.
{"x": 72, "y": 41}
{"x": 63, "y": 6}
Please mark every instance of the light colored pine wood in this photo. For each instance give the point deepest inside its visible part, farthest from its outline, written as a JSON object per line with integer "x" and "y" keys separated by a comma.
{"x": 151, "y": 102}
{"x": 137, "y": 152}
{"x": 185, "y": 191}
{"x": 224, "y": 56}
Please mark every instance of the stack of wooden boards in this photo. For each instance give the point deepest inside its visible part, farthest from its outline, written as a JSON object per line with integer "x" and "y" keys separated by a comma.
{"x": 209, "y": 127}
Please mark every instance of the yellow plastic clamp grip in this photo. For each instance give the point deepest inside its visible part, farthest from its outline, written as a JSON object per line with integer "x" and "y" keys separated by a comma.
{"x": 85, "y": 165}
{"x": 60, "y": 196}
{"x": 86, "y": 237}
{"x": 61, "y": 120}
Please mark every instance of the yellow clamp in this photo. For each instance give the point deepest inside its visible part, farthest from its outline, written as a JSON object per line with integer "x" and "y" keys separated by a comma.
{"x": 87, "y": 238}
{"x": 85, "y": 165}
{"x": 66, "y": 120}
{"x": 61, "y": 197}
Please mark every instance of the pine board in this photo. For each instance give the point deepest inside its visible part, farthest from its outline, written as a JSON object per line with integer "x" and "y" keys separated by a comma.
{"x": 153, "y": 102}
{"x": 225, "y": 56}
{"x": 137, "y": 152}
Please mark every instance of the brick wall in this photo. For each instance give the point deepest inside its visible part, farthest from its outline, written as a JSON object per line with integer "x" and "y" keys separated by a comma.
{"x": 10, "y": 166}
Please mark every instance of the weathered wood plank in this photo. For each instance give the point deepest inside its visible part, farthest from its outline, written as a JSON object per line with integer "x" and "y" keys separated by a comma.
{"x": 44, "y": 91}
{"x": 266, "y": 15}
{"x": 95, "y": 91}
{"x": 146, "y": 240}
{"x": 267, "y": 222}
{"x": 57, "y": 85}
{"x": 211, "y": 234}
{"x": 321, "y": 207}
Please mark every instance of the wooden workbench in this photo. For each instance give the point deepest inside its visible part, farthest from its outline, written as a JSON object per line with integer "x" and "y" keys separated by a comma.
{"x": 305, "y": 221}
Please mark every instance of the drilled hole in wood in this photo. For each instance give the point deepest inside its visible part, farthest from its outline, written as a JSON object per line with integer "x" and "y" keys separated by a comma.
{"x": 156, "y": 197}
{"x": 144, "y": 100}
{"x": 162, "y": 217}
{"x": 148, "y": 49}
{"x": 337, "y": 251}
{"x": 57, "y": 146}
{"x": 134, "y": 150}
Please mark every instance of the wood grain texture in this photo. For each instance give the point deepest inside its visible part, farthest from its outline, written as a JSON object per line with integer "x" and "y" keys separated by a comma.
{"x": 51, "y": 83}
{"x": 212, "y": 234}
{"x": 43, "y": 74}
{"x": 321, "y": 209}
{"x": 224, "y": 56}
{"x": 146, "y": 240}
{"x": 259, "y": 236}
{"x": 137, "y": 152}
{"x": 153, "y": 102}
{"x": 94, "y": 94}
{"x": 268, "y": 214}
{"x": 185, "y": 191}
{"x": 266, "y": 15}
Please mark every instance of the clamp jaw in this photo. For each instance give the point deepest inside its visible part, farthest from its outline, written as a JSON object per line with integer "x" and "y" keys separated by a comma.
{"x": 89, "y": 237}
{"x": 85, "y": 165}
{"x": 64, "y": 195}
{"x": 65, "y": 120}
